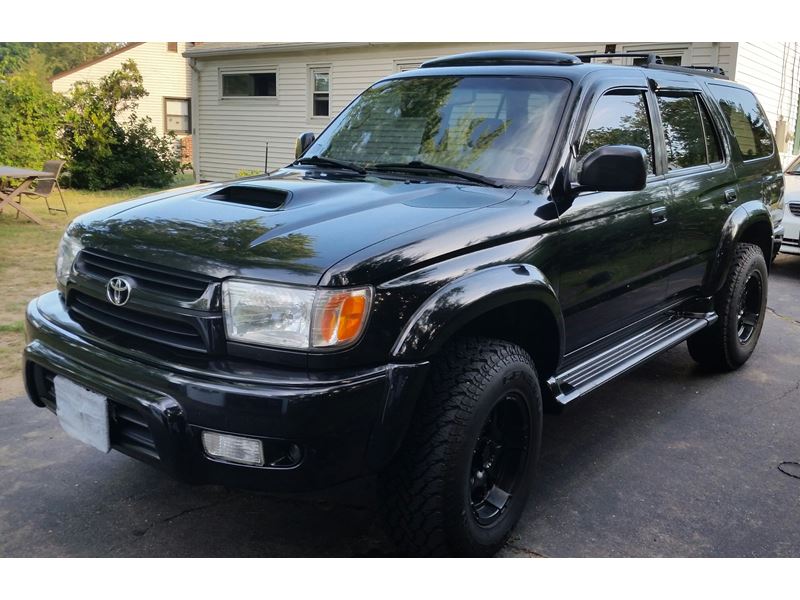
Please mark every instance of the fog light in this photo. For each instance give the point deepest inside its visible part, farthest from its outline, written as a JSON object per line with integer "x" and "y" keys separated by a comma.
{"x": 232, "y": 448}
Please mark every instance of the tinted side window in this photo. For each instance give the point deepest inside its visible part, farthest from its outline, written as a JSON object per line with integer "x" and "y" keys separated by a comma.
{"x": 748, "y": 123}
{"x": 683, "y": 130}
{"x": 620, "y": 117}
{"x": 713, "y": 146}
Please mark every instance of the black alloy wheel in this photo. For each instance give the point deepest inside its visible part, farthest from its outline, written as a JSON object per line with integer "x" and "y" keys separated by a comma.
{"x": 499, "y": 459}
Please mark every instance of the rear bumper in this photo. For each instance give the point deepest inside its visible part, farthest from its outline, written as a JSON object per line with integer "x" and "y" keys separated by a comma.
{"x": 347, "y": 424}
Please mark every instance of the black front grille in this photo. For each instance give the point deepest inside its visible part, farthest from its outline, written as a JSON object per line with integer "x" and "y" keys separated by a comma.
{"x": 128, "y": 428}
{"x": 163, "y": 280}
{"x": 130, "y": 432}
{"x": 115, "y": 323}
{"x": 794, "y": 207}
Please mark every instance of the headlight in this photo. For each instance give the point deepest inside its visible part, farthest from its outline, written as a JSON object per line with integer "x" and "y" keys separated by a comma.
{"x": 293, "y": 317}
{"x": 67, "y": 251}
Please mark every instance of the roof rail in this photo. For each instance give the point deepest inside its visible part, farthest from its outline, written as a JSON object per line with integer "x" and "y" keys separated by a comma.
{"x": 654, "y": 61}
{"x": 652, "y": 57}
{"x": 503, "y": 57}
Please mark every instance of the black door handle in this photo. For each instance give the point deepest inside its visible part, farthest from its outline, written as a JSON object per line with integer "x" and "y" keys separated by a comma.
{"x": 658, "y": 215}
{"x": 730, "y": 196}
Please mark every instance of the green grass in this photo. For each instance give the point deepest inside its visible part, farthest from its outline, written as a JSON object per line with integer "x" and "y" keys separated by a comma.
{"x": 28, "y": 255}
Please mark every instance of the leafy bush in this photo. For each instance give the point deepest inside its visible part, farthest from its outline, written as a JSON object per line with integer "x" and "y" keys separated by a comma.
{"x": 30, "y": 119}
{"x": 106, "y": 153}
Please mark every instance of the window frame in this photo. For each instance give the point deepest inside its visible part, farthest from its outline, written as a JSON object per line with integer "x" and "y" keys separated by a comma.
{"x": 254, "y": 70}
{"x": 170, "y": 48}
{"x": 166, "y": 115}
{"x": 699, "y": 100}
{"x": 312, "y": 70}
{"x": 656, "y": 138}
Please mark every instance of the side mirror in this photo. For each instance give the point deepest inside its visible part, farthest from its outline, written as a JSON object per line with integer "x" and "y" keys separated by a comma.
{"x": 304, "y": 140}
{"x": 613, "y": 169}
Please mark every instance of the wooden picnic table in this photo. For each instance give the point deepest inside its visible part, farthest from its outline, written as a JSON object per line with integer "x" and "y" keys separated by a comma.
{"x": 28, "y": 177}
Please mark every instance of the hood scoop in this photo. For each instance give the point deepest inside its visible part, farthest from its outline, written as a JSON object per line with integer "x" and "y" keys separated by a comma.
{"x": 255, "y": 196}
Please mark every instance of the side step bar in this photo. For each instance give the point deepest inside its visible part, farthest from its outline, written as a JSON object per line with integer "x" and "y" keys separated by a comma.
{"x": 597, "y": 370}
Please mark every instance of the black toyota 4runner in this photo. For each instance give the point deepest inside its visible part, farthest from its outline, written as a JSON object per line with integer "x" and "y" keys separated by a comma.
{"x": 466, "y": 244}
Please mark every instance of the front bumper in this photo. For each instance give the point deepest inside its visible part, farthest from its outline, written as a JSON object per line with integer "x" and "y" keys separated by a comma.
{"x": 790, "y": 243}
{"x": 347, "y": 424}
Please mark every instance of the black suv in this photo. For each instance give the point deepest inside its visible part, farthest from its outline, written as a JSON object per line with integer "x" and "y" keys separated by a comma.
{"x": 466, "y": 245}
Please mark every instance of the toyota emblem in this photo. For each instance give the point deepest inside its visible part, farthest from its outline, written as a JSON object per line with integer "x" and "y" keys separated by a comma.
{"x": 118, "y": 290}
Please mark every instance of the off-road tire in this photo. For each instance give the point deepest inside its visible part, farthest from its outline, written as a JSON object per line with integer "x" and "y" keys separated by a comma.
{"x": 425, "y": 493}
{"x": 719, "y": 346}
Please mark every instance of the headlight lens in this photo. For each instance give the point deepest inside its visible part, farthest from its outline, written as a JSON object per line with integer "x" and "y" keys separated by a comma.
{"x": 67, "y": 252}
{"x": 293, "y": 317}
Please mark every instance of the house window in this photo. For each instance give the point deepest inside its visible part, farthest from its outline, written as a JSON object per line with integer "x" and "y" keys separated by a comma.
{"x": 241, "y": 85}
{"x": 402, "y": 67}
{"x": 321, "y": 96}
{"x": 172, "y": 46}
{"x": 673, "y": 61}
{"x": 177, "y": 115}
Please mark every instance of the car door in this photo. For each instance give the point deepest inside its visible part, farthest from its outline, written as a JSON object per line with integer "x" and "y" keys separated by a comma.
{"x": 756, "y": 158}
{"x": 615, "y": 245}
{"x": 701, "y": 178}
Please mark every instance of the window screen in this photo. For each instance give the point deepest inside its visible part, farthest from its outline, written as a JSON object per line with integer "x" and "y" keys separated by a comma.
{"x": 620, "y": 117}
{"x": 746, "y": 119}
{"x": 249, "y": 84}
{"x": 177, "y": 115}
{"x": 320, "y": 100}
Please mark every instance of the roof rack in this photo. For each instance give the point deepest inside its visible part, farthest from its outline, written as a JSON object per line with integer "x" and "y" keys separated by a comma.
{"x": 654, "y": 61}
{"x": 503, "y": 57}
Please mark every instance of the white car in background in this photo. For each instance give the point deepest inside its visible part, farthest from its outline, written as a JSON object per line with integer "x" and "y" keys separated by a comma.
{"x": 791, "y": 213}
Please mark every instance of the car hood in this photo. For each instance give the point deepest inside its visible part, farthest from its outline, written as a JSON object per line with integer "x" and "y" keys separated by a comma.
{"x": 289, "y": 227}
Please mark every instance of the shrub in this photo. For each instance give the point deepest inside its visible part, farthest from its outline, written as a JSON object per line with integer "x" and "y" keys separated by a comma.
{"x": 105, "y": 152}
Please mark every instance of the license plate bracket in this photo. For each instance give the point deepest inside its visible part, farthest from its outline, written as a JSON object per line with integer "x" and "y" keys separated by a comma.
{"x": 83, "y": 414}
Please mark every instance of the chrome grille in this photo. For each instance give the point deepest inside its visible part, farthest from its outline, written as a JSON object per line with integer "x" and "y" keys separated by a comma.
{"x": 794, "y": 208}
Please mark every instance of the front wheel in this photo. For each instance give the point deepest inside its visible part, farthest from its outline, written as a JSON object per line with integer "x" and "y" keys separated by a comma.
{"x": 741, "y": 306}
{"x": 459, "y": 484}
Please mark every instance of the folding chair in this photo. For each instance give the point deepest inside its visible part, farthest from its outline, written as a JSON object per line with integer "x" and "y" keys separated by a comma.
{"x": 44, "y": 186}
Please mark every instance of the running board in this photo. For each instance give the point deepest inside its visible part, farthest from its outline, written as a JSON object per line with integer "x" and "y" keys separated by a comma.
{"x": 597, "y": 370}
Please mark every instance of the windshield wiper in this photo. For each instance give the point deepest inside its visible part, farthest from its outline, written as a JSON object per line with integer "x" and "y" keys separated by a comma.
{"x": 324, "y": 161}
{"x": 418, "y": 165}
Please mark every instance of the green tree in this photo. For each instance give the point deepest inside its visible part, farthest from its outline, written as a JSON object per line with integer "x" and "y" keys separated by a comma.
{"x": 30, "y": 119}
{"x": 49, "y": 58}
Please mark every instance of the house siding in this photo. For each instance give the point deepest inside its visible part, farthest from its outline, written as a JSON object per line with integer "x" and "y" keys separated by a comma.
{"x": 165, "y": 75}
{"x": 231, "y": 133}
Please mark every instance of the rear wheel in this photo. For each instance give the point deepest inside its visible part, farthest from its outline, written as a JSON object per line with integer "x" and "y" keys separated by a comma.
{"x": 459, "y": 484}
{"x": 741, "y": 306}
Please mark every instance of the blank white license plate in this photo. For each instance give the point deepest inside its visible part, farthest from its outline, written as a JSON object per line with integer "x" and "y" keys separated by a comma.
{"x": 83, "y": 414}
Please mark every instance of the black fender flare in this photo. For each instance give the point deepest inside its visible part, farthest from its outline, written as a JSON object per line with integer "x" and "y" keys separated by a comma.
{"x": 467, "y": 298}
{"x": 740, "y": 220}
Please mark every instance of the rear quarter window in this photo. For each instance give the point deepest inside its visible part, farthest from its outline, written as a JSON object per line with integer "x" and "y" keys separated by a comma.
{"x": 746, "y": 119}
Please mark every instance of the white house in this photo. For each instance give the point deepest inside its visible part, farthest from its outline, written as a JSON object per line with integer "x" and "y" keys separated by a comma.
{"x": 165, "y": 74}
{"x": 248, "y": 94}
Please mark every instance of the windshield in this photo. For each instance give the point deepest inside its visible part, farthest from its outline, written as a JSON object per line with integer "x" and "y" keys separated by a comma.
{"x": 498, "y": 127}
{"x": 794, "y": 168}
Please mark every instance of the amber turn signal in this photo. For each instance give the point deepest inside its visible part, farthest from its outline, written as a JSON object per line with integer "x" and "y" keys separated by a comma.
{"x": 339, "y": 316}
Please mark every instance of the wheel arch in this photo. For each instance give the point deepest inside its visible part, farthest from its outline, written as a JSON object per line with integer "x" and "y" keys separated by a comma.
{"x": 749, "y": 223}
{"x": 512, "y": 302}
